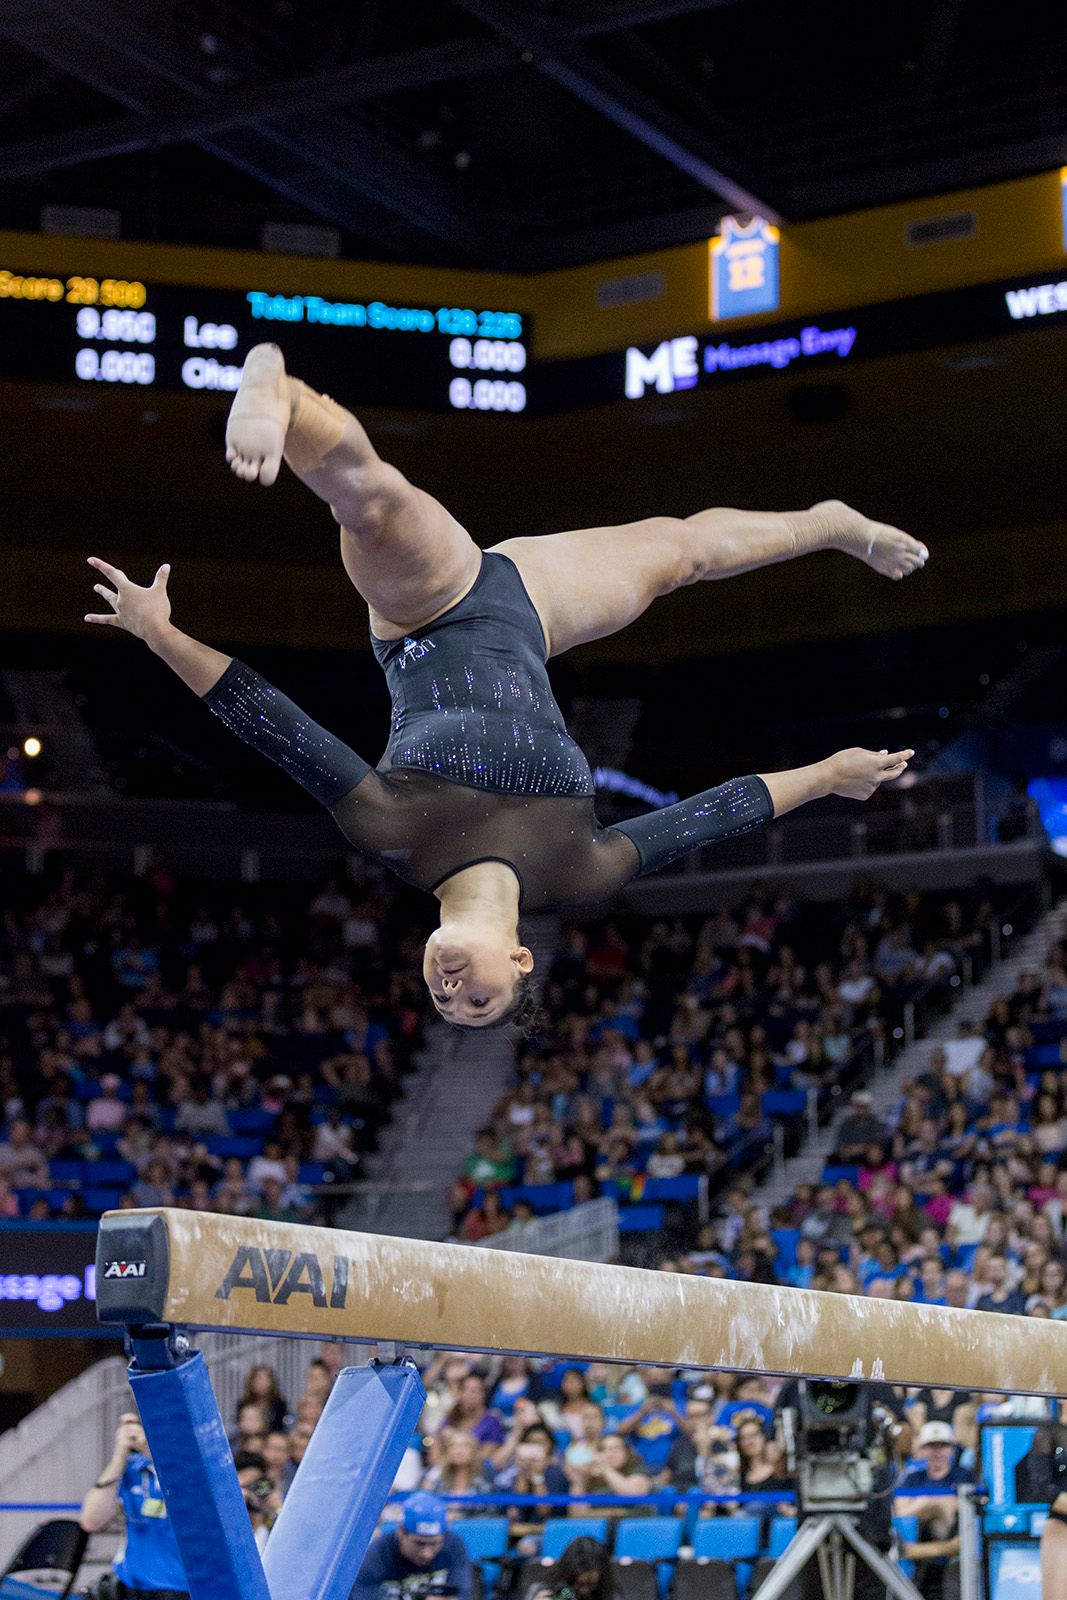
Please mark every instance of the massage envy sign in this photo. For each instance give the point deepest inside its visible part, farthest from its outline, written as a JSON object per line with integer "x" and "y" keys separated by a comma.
{"x": 677, "y": 363}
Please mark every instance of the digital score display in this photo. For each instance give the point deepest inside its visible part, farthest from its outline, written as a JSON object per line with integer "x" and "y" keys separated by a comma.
{"x": 76, "y": 328}
{"x": 924, "y": 322}
{"x": 48, "y": 1280}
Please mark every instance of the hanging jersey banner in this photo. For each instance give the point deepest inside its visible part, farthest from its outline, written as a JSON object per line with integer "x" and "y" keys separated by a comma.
{"x": 744, "y": 268}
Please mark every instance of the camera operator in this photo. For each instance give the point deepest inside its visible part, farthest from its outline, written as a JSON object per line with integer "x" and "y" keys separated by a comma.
{"x": 147, "y": 1565}
{"x": 875, "y": 1522}
{"x": 418, "y": 1558}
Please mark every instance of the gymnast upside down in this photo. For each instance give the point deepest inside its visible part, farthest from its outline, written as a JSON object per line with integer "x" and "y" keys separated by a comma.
{"x": 482, "y": 798}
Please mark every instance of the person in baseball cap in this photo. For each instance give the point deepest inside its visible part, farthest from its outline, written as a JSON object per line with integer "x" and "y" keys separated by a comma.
{"x": 417, "y": 1556}
{"x": 424, "y": 1516}
{"x": 938, "y": 1515}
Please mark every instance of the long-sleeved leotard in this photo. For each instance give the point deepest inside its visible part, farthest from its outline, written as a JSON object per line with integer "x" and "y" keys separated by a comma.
{"x": 479, "y": 765}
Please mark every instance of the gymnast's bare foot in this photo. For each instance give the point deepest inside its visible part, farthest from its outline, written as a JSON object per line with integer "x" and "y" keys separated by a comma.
{"x": 259, "y": 417}
{"x": 887, "y": 550}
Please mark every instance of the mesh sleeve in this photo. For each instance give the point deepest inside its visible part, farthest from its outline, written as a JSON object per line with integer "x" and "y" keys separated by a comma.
{"x": 665, "y": 836}
{"x": 278, "y": 729}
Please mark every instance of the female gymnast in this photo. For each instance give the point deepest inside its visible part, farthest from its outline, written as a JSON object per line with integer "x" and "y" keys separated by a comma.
{"x": 482, "y": 798}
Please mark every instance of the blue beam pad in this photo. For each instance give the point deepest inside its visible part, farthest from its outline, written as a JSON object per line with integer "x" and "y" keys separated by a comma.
{"x": 196, "y": 1473}
{"x": 317, "y": 1545}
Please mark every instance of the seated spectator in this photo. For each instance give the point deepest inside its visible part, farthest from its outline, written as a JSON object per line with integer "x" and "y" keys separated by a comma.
{"x": 760, "y": 1466}
{"x": 859, "y": 1130}
{"x": 568, "y": 1413}
{"x": 615, "y": 1469}
{"x": 471, "y": 1414}
{"x": 655, "y": 1424}
{"x": 938, "y": 1515}
{"x": 460, "y": 1469}
{"x": 583, "y": 1572}
{"x": 420, "y": 1548}
{"x": 107, "y": 1112}
{"x": 515, "y": 1382}
{"x": 687, "y": 1457}
{"x": 332, "y": 1144}
{"x": 276, "y": 1456}
{"x": 22, "y": 1164}
{"x": 1001, "y": 1295}
{"x": 261, "y": 1386}
{"x": 251, "y": 1426}
{"x": 532, "y": 1472}
{"x": 201, "y": 1115}
{"x": 299, "y": 1439}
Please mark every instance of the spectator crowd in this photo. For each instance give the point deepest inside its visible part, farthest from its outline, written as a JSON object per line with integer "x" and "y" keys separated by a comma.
{"x": 229, "y": 1049}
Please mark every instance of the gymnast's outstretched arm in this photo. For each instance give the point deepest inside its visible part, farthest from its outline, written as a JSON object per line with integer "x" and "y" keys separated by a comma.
{"x": 254, "y": 710}
{"x": 745, "y": 803}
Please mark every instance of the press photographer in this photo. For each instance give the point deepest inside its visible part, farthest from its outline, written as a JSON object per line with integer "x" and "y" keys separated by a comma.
{"x": 417, "y": 1559}
{"x": 147, "y": 1565}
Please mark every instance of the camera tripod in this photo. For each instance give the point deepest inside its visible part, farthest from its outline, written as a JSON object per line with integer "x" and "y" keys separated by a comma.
{"x": 837, "y": 1544}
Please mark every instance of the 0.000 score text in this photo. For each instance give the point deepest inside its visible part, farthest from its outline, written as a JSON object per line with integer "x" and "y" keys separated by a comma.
{"x": 487, "y": 394}
{"x": 115, "y": 366}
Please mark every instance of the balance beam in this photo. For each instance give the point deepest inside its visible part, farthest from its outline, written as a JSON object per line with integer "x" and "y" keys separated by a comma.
{"x": 197, "y": 1270}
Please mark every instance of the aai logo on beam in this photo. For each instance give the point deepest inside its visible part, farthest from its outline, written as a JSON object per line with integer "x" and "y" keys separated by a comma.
{"x": 744, "y": 268}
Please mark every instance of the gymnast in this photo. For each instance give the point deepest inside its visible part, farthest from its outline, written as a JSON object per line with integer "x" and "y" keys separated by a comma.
{"x": 482, "y": 798}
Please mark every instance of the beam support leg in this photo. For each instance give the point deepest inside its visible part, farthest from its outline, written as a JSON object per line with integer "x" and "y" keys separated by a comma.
{"x": 317, "y": 1545}
{"x": 193, "y": 1463}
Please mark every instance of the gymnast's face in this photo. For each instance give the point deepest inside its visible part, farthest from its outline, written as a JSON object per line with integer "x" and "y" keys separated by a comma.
{"x": 472, "y": 976}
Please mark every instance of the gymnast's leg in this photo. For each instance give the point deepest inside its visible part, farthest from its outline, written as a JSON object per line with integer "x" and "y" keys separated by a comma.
{"x": 1054, "y": 1551}
{"x": 595, "y": 581}
{"x": 406, "y": 555}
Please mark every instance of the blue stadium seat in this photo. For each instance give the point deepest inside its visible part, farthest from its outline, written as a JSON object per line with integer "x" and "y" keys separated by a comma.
{"x": 559, "y": 1531}
{"x": 312, "y": 1171}
{"x": 641, "y": 1219}
{"x": 486, "y": 1539}
{"x": 723, "y": 1105}
{"x": 907, "y": 1531}
{"x": 784, "y": 1103}
{"x": 733, "y": 1539}
{"x": 97, "y": 1200}
{"x": 834, "y": 1174}
{"x": 727, "y": 1539}
{"x": 684, "y": 1188}
{"x": 108, "y": 1174}
{"x": 67, "y": 1171}
{"x": 652, "y": 1539}
{"x": 243, "y": 1146}
{"x": 787, "y": 1240}
{"x": 782, "y": 1531}
{"x": 252, "y": 1120}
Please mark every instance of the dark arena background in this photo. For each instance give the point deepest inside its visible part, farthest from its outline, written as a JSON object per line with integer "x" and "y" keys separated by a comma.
{"x": 573, "y": 264}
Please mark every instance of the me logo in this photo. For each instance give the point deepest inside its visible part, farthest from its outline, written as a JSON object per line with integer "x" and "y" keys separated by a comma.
{"x": 274, "y": 1276}
{"x": 744, "y": 268}
{"x": 672, "y": 365}
{"x": 125, "y": 1269}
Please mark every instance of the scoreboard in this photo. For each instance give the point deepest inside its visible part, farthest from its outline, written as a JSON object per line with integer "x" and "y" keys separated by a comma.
{"x": 102, "y": 330}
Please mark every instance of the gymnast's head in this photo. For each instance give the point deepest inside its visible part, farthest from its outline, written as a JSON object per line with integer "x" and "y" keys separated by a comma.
{"x": 476, "y": 966}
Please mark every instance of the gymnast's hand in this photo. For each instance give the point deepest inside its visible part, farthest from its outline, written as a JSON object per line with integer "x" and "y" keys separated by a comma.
{"x": 856, "y": 774}
{"x": 144, "y": 612}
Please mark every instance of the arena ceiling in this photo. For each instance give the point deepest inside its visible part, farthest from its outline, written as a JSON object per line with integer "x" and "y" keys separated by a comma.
{"x": 518, "y": 134}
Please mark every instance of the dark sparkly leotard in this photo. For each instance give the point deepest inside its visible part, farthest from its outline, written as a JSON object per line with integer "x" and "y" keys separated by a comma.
{"x": 479, "y": 764}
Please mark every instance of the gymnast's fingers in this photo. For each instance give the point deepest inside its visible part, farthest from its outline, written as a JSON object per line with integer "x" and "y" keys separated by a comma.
{"x": 161, "y": 577}
{"x": 116, "y": 574}
{"x": 105, "y": 594}
{"x": 110, "y": 619}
